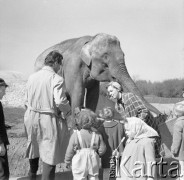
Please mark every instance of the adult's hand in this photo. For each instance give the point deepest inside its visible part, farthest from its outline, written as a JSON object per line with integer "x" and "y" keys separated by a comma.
{"x": 2, "y": 150}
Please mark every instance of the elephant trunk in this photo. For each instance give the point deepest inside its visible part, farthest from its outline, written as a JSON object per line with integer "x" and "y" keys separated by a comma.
{"x": 121, "y": 74}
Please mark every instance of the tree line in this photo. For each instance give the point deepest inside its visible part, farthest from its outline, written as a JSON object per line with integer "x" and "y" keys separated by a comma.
{"x": 172, "y": 88}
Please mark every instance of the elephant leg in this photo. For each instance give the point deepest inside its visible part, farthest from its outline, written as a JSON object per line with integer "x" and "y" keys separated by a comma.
{"x": 77, "y": 96}
{"x": 92, "y": 96}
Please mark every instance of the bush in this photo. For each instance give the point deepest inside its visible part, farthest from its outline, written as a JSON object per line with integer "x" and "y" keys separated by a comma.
{"x": 168, "y": 88}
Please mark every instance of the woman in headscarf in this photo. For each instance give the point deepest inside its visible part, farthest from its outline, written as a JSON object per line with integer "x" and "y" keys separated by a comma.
{"x": 138, "y": 158}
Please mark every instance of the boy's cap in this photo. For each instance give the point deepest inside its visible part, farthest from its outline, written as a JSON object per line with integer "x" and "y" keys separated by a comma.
{"x": 115, "y": 85}
{"x": 3, "y": 83}
{"x": 179, "y": 109}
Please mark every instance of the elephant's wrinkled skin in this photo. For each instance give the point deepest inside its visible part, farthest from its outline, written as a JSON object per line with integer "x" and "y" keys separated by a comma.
{"x": 89, "y": 60}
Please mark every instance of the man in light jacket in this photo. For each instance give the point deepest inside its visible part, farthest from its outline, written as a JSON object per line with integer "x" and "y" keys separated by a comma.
{"x": 47, "y": 132}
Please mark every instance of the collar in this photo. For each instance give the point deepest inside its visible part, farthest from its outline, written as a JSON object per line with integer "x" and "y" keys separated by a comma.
{"x": 133, "y": 140}
{"x": 136, "y": 140}
{"x": 120, "y": 100}
{"x": 180, "y": 118}
{"x": 48, "y": 68}
{"x": 110, "y": 124}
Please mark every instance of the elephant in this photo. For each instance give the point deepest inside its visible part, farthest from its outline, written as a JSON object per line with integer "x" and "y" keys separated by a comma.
{"x": 87, "y": 61}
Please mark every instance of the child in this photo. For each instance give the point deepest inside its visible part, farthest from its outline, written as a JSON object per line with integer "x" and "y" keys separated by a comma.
{"x": 139, "y": 151}
{"x": 85, "y": 147}
{"x": 112, "y": 132}
{"x": 177, "y": 148}
{"x": 4, "y": 167}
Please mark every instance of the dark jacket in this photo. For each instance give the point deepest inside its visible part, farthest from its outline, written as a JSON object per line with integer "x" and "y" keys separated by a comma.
{"x": 177, "y": 147}
{"x": 3, "y": 134}
{"x": 112, "y": 133}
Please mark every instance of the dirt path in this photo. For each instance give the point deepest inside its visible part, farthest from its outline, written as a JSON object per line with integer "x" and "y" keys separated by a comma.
{"x": 19, "y": 165}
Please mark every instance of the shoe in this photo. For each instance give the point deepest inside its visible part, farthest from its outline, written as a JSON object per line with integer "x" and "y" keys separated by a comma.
{"x": 32, "y": 176}
{"x": 7, "y": 126}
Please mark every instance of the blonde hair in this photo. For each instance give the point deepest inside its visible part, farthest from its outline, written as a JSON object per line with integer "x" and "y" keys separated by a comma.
{"x": 115, "y": 85}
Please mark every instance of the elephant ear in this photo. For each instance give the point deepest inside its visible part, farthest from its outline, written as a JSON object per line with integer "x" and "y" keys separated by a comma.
{"x": 85, "y": 54}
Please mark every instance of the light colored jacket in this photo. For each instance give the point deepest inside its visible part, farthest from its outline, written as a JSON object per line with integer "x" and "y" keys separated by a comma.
{"x": 139, "y": 154}
{"x": 140, "y": 151}
{"x": 177, "y": 147}
{"x": 47, "y": 132}
{"x": 45, "y": 92}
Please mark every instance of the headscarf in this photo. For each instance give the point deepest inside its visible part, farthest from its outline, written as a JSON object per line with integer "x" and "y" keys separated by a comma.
{"x": 140, "y": 129}
{"x": 179, "y": 109}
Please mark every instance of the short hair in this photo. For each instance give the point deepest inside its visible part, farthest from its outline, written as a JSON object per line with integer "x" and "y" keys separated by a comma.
{"x": 52, "y": 57}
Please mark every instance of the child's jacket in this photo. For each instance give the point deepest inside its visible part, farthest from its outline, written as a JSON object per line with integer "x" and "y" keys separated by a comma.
{"x": 177, "y": 147}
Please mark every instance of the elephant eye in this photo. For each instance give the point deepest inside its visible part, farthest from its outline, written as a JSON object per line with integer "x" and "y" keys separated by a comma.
{"x": 105, "y": 56}
{"x": 105, "y": 65}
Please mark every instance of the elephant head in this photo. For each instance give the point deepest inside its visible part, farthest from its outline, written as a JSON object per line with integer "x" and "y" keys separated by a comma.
{"x": 106, "y": 60}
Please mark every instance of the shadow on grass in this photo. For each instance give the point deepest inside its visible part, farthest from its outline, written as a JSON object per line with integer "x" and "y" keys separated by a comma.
{"x": 14, "y": 115}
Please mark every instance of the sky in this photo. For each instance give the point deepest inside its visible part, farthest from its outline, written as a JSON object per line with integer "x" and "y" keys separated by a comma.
{"x": 151, "y": 32}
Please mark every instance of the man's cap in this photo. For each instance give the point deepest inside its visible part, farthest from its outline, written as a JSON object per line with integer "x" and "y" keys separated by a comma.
{"x": 179, "y": 109}
{"x": 3, "y": 83}
{"x": 115, "y": 85}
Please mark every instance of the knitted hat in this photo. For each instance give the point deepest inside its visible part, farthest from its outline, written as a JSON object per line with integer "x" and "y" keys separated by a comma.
{"x": 106, "y": 113}
{"x": 179, "y": 109}
{"x": 115, "y": 85}
{"x": 2, "y": 83}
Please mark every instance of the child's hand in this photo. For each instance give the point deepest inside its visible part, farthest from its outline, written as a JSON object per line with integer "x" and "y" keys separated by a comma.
{"x": 174, "y": 154}
{"x": 115, "y": 153}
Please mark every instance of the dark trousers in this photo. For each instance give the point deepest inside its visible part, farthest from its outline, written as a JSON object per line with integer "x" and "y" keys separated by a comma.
{"x": 48, "y": 170}
{"x": 4, "y": 167}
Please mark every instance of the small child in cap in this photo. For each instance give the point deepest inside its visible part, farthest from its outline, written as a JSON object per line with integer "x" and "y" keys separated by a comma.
{"x": 177, "y": 148}
{"x": 85, "y": 147}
